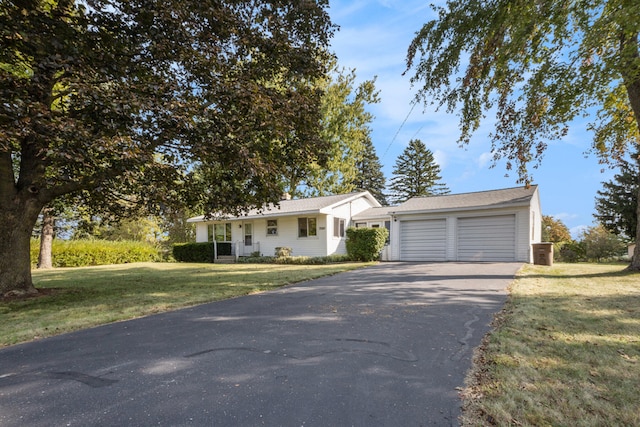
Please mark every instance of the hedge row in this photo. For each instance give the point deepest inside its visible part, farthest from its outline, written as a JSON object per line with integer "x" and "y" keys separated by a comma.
{"x": 199, "y": 252}
{"x": 296, "y": 260}
{"x": 81, "y": 253}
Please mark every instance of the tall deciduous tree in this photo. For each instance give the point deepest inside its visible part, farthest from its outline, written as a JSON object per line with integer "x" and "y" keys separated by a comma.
{"x": 601, "y": 244}
{"x": 554, "y": 230}
{"x": 416, "y": 174}
{"x": 369, "y": 175}
{"x": 116, "y": 97}
{"x": 345, "y": 128}
{"x": 617, "y": 201}
{"x": 538, "y": 65}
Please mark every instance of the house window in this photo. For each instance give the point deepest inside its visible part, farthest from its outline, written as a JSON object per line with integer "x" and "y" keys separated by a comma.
{"x": 272, "y": 227}
{"x": 221, "y": 232}
{"x": 338, "y": 227}
{"x": 361, "y": 224}
{"x": 307, "y": 227}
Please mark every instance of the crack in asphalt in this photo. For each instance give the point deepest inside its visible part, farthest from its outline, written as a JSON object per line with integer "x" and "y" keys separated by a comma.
{"x": 394, "y": 353}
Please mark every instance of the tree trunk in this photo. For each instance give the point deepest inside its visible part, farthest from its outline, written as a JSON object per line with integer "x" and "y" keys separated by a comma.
{"x": 632, "y": 84}
{"x": 17, "y": 221}
{"x": 46, "y": 238}
{"x": 635, "y": 259}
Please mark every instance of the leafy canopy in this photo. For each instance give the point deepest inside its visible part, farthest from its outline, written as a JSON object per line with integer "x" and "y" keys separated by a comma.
{"x": 114, "y": 94}
{"x": 538, "y": 65}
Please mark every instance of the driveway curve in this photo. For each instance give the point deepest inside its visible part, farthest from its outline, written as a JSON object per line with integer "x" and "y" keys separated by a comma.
{"x": 382, "y": 346}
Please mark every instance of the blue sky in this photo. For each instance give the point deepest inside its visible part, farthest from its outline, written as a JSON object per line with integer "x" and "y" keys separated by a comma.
{"x": 373, "y": 38}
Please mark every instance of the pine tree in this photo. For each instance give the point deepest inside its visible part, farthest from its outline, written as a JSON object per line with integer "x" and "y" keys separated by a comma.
{"x": 416, "y": 174}
{"x": 370, "y": 176}
{"x": 618, "y": 200}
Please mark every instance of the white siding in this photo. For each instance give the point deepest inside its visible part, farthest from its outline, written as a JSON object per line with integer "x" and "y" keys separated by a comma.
{"x": 201, "y": 232}
{"x": 423, "y": 240}
{"x": 487, "y": 238}
{"x": 521, "y": 250}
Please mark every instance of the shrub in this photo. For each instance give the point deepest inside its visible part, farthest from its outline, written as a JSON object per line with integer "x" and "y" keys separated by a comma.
{"x": 283, "y": 252}
{"x": 193, "y": 252}
{"x": 81, "y": 253}
{"x": 297, "y": 260}
{"x": 199, "y": 252}
{"x": 365, "y": 244}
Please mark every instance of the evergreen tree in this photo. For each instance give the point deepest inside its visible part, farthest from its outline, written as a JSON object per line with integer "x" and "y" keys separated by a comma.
{"x": 416, "y": 174}
{"x": 617, "y": 203}
{"x": 370, "y": 176}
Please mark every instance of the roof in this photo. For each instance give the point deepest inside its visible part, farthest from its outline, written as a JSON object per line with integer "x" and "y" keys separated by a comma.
{"x": 375, "y": 213}
{"x": 508, "y": 197}
{"x": 491, "y": 199}
{"x": 299, "y": 206}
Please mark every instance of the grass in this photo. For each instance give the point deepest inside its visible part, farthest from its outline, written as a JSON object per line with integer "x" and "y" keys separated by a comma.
{"x": 565, "y": 351}
{"x": 77, "y": 298}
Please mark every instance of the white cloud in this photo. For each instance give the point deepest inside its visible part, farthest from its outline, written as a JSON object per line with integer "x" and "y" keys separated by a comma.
{"x": 576, "y": 232}
{"x": 564, "y": 216}
{"x": 440, "y": 157}
{"x": 484, "y": 159}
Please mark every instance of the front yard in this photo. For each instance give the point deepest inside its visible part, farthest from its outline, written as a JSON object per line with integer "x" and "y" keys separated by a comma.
{"x": 76, "y": 298}
{"x": 566, "y": 351}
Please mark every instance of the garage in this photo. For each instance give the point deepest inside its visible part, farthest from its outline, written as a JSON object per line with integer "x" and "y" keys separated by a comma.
{"x": 493, "y": 225}
{"x": 489, "y": 238}
{"x": 423, "y": 240}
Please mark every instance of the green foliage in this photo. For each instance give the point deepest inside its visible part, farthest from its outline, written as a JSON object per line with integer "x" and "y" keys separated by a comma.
{"x": 345, "y": 129}
{"x": 283, "y": 251}
{"x": 123, "y": 99}
{"x": 82, "y": 253}
{"x": 199, "y": 252}
{"x": 554, "y": 230}
{"x": 365, "y": 244}
{"x": 602, "y": 245}
{"x": 416, "y": 174}
{"x": 193, "y": 252}
{"x": 538, "y": 65}
{"x": 570, "y": 251}
{"x": 370, "y": 176}
{"x": 617, "y": 202}
{"x": 295, "y": 260}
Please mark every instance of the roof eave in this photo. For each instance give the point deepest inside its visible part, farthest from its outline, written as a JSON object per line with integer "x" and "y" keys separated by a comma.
{"x": 466, "y": 208}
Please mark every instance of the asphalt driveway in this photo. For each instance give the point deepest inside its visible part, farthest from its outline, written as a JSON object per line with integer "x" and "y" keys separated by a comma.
{"x": 382, "y": 346}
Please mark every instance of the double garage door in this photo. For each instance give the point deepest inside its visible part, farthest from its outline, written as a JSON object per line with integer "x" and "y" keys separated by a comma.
{"x": 488, "y": 238}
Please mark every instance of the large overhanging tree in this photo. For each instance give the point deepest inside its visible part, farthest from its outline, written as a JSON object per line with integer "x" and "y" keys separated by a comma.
{"x": 116, "y": 97}
{"x": 538, "y": 65}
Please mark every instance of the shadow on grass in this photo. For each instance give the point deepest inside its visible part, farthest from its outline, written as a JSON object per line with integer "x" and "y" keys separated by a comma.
{"x": 560, "y": 360}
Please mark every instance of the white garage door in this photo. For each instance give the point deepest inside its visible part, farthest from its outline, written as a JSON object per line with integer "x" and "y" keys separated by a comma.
{"x": 423, "y": 240}
{"x": 490, "y": 238}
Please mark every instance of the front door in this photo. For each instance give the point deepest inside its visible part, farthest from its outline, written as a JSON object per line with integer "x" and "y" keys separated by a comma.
{"x": 248, "y": 237}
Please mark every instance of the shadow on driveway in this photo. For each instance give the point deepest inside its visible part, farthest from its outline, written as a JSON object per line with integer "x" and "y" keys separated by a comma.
{"x": 386, "y": 346}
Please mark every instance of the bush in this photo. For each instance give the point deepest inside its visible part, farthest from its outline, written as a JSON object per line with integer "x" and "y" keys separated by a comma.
{"x": 199, "y": 252}
{"x": 283, "y": 252}
{"x": 81, "y": 253}
{"x": 193, "y": 252}
{"x": 297, "y": 260}
{"x": 365, "y": 244}
{"x": 570, "y": 251}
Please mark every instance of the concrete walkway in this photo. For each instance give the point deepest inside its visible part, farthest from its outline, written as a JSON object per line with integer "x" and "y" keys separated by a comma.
{"x": 382, "y": 346}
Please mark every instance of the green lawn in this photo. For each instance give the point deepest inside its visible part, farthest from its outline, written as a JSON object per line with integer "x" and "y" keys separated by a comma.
{"x": 565, "y": 352}
{"x": 77, "y": 298}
